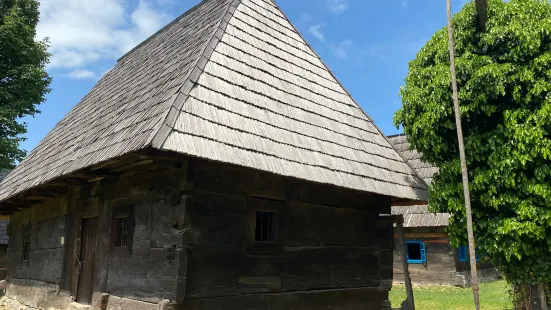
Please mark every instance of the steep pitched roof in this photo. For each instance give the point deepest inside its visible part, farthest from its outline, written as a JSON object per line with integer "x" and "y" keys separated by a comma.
{"x": 231, "y": 81}
{"x": 425, "y": 170}
{"x": 419, "y": 215}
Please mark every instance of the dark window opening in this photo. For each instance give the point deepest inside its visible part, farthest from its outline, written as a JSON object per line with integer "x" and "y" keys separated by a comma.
{"x": 415, "y": 252}
{"x": 121, "y": 231}
{"x": 265, "y": 226}
{"x": 26, "y": 250}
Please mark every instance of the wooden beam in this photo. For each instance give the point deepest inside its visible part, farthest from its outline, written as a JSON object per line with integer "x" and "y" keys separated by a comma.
{"x": 424, "y": 235}
{"x": 403, "y": 202}
{"x": 134, "y": 165}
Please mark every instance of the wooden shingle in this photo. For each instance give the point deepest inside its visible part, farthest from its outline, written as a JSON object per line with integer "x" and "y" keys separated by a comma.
{"x": 231, "y": 81}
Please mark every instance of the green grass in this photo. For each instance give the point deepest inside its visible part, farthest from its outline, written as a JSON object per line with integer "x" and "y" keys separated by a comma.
{"x": 493, "y": 296}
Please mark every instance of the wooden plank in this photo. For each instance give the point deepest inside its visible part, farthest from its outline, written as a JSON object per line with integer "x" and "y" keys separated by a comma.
{"x": 77, "y": 249}
{"x": 87, "y": 255}
{"x": 422, "y": 235}
{"x": 309, "y": 225}
{"x": 350, "y": 298}
{"x": 222, "y": 178}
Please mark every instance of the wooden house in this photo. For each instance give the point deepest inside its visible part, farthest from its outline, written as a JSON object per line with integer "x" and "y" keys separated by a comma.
{"x": 431, "y": 257}
{"x": 218, "y": 165}
{"x": 4, "y": 221}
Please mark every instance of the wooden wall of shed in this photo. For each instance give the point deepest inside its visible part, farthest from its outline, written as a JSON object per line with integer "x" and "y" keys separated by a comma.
{"x": 327, "y": 238}
{"x": 440, "y": 267}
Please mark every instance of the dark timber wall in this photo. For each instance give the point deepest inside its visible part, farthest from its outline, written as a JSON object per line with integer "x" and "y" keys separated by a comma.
{"x": 193, "y": 242}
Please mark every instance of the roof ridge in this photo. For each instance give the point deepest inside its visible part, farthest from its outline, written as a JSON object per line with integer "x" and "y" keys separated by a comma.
{"x": 346, "y": 91}
{"x": 182, "y": 93}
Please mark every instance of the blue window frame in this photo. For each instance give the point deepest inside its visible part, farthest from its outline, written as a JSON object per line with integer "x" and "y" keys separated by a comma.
{"x": 463, "y": 254}
{"x": 415, "y": 252}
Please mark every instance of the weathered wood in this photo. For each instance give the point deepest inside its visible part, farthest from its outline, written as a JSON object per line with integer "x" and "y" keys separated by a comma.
{"x": 349, "y": 267}
{"x": 423, "y": 235}
{"x": 75, "y": 268}
{"x": 328, "y": 195}
{"x": 350, "y": 298}
{"x": 87, "y": 255}
{"x": 308, "y": 224}
{"x": 221, "y": 178}
{"x": 48, "y": 234}
{"x": 146, "y": 275}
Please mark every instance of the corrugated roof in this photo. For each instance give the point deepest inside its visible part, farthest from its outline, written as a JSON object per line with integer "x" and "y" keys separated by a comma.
{"x": 231, "y": 81}
{"x": 419, "y": 215}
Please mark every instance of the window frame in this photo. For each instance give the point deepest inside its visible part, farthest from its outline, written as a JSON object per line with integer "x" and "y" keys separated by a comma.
{"x": 277, "y": 207}
{"x": 422, "y": 249}
{"x": 25, "y": 250}
{"x": 463, "y": 254}
{"x": 117, "y": 213}
{"x": 273, "y": 225}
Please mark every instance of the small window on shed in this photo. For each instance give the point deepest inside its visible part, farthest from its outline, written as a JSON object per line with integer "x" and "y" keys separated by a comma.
{"x": 26, "y": 250}
{"x": 415, "y": 252}
{"x": 463, "y": 253}
{"x": 121, "y": 238}
{"x": 265, "y": 227}
{"x": 122, "y": 229}
{"x": 25, "y": 244}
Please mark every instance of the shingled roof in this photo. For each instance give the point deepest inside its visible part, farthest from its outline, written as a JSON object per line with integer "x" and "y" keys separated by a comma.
{"x": 231, "y": 81}
{"x": 419, "y": 215}
{"x": 425, "y": 170}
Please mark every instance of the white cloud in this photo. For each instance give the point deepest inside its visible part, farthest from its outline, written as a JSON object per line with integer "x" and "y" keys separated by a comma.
{"x": 315, "y": 30}
{"x": 81, "y": 74}
{"x": 340, "y": 50}
{"x": 83, "y": 32}
{"x": 337, "y": 6}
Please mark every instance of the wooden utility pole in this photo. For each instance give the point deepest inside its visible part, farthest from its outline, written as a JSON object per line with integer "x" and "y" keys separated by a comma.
{"x": 464, "y": 172}
{"x": 399, "y": 221}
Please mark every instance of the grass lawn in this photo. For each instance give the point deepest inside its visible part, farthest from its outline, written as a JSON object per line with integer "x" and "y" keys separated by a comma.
{"x": 493, "y": 296}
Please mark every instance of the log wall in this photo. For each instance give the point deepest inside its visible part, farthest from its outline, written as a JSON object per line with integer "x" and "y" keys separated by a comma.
{"x": 440, "y": 267}
{"x": 193, "y": 242}
{"x": 443, "y": 265}
{"x": 325, "y": 245}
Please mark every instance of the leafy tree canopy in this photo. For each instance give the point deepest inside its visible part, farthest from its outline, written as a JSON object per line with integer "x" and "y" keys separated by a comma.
{"x": 23, "y": 79}
{"x": 504, "y": 79}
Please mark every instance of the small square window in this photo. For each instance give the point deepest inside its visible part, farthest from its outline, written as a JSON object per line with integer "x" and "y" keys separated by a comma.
{"x": 265, "y": 227}
{"x": 121, "y": 231}
{"x": 415, "y": 252}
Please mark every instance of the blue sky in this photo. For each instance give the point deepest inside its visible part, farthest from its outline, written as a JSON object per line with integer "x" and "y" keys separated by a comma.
{"x": 366, "y": 43}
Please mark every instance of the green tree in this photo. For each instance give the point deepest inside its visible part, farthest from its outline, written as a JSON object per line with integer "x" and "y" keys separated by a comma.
{"x": 23, "y": 79}
{"x": 504, "y": 79}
